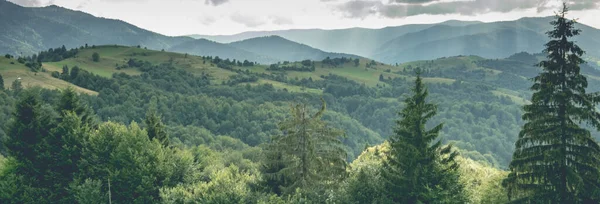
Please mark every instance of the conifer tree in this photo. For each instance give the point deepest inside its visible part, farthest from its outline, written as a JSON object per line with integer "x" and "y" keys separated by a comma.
{"x": 1, "y": 83}
{"x": 418, "y": 168}
{"x": 555, "y": 159}
{"x": 16, "y": 87}
{"x": 65, "y": 143}
{"x": 155, "y": 127}
{"x": 27, "y": 144}
{"x": 312, "y": 153}
{"x": 70, "y": 102}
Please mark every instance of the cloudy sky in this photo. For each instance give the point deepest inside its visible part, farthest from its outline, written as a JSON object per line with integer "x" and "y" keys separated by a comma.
{"x": 182, "y": 17}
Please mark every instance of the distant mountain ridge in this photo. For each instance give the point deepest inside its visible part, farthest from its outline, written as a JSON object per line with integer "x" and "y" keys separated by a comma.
{"x": 430, "y": 41}
{"x": 26, "y": 31}
{"x": 29, "y": 30}
{"x": 284, "y": 49}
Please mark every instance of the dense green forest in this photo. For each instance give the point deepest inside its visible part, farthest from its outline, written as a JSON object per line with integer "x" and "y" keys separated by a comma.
{"x": 143, "y": 126}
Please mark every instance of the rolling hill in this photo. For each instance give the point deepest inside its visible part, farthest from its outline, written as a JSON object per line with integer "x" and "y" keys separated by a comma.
{"x": 203, "y": 47}
{"x": 285, "y": 50}
{"x": 30, "y": 30}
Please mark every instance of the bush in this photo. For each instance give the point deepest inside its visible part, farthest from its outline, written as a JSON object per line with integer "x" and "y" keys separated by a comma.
{"x": 96, "y": 57}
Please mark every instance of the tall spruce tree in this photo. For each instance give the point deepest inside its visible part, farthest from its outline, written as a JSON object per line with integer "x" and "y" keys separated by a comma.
{"x": 312, "y": 155}
{"x": 155, "y": 127}
{"x": 27, "y": 144}
{"x": 418, "y": 168}
{"x": 1, "y": 83}
{"x": 555, "y": 159}
{"x": 65, "y": 143}
{"x": 70, "y": 102}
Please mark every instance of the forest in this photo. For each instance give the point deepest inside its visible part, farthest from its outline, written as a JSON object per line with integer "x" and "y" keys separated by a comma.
{"x": 172, "y": 135}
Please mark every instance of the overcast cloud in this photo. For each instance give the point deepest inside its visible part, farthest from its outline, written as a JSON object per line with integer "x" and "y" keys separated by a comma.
{"x": 182, "y": 17}
{"x": 405, "y": 8}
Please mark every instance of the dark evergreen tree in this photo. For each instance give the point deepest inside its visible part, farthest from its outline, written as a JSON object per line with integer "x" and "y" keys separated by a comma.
{"x": 418, "y": 168}
{"x": 96, "y": 57}
{"x": 16, "y": 86}
{"x": 555, "y": 159}
{"x": 65, "y": 73}
{"x": 155, "y": 127}
{"x": 70, "y": 102}
{"x": 1, "y": 83}
{"x": 27, "y": 144}
{"x": 64, "y": 150}
{"x": 312, "y": 153}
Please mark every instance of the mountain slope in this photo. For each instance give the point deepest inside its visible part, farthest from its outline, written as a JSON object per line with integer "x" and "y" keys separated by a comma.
{"x": 496, "y": 44}
{"x": 285, "y": 50}
{"x": 205, "y": 47}
{"x": 29, "y": 30}
{"x": 359, "y": 41}
{"x": 492, "y": 40}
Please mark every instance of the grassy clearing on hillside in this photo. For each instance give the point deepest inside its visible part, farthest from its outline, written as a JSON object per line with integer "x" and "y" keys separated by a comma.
{"x": 11, "y": 72}
{"x": 290, "y": 88}
{"x": 515, "y": 98}
{"x": 111, "y": 56}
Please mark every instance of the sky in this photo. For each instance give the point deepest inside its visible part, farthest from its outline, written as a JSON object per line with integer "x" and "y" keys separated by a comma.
{"x": 225, "y": 17}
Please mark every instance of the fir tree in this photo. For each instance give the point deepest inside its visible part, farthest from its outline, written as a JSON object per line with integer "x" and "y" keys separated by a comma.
{"x": 27, "y": 144}
{"x": 155, "y": 127}
{"x": 312, "y": 155}
{"x": 1, "y": 83}
{"x": 418, "y": 168}
{"x": 70, "y": 102}
{"x": 555, "y": 159}
{"x": 16, "y": 86}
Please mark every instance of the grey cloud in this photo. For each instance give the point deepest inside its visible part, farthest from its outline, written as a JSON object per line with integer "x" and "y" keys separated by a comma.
{"x": 215, "y": 2}
{"x": 584, "y": 4}
{"x": 280, "y": 20}
{"x": 28, "y": 3}
{"x": 363, "y": 8}
{"x": 207, "y": 20}
{"x": 360, "y": 8}
{"x": 413, "y": 1}
{"x": 248, "y": 21}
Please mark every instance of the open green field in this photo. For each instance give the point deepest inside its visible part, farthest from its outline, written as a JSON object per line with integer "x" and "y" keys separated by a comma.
{"x": 11, "y": 70}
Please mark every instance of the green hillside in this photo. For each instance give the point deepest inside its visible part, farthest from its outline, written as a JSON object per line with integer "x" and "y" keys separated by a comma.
{"x": 12, "y": 70}
{"x": 480, "y": 99}
{"x": 30, "y": 30}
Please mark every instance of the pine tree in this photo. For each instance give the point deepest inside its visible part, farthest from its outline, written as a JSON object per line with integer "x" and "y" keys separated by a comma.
{"x": 555, "y": 159}
{"x": 70, "y": 102}
{"x": 155, "y": 127}
{"x": 312, "y": 153}
{"x": 16, "y": 86}
{"x": 27, "y": 143}
{"x": 418, "y": 168}
{"x": 65, "y": 73}
{"x": 65, "y": 143}
{"x": 1, "y": 83}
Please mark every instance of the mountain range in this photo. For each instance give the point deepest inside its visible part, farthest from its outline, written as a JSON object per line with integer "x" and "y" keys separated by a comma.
{"x": 430, "y": 41}
{"x": 27, "y": 31}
